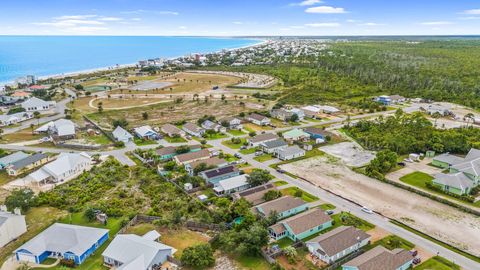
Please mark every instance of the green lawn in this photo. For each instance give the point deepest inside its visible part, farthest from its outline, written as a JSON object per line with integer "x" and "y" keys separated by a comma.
{"x": 327, "y": 206}
{"x": 312, "y": 153}
{"x": 437, "y": 263}
{"x": 230, "y": 144}
{"x": 252, "y": 262}
{"x": 5, "y": 178}
{"x": 392, "y": 242}
{"x": 248, "y": 151}
{"x": 263, "y": 158}
{"x": 214, "y": 136}
{"x": 99, "y": 139}
{"x": 417, "y": 179}
{"x": 284, "y": 242}
{"x": 280, "y": 183}
{"x": 235, "y": 132}
{"x": 141, "y": 142}
{"x": 174, "y": 139}
{"x": 305, "y": 195}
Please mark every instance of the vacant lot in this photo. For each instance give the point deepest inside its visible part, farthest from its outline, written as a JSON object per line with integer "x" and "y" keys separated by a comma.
{"x": 350, "y": 153}
{"x": 438, "y": 220}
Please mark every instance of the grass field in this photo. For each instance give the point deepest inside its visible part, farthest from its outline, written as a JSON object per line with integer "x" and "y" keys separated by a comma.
{"x": 213, "y": 136}
{"x": 174, "y": 139}
{"x": 309, "y": 154}
{"x": 230, "y": 144}
{"x": 327, "y": 206}
{"x": 417, "y": 179}
{"x": 126, "y": 102}
{"x": 235, "y": 132}
{"x": 141, "y": 142}
{"x": 437, "y": 263}
{"x": 5, "y": 178}
{"x": 21, "y": 136}
{"x": 248, "y": 151}
{"x": 252, "y": 262}
{"x": 392, "y": 242}
{"x": 263, "y": 158}
{"x": 280, "y": 183}
{"x": 292, "y": 191}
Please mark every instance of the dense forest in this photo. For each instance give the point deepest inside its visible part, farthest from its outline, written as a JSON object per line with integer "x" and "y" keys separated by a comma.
{"x": 437, "y": 70}
{"x": 412, "y": 133}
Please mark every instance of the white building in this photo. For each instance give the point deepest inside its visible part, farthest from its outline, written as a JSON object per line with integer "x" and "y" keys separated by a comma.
{"x": 11, "y": 226}
{"x": 64, "y": 168}
{"x": 231, "y": 185}
{"x": 122, "y": 135}
{"x": 62, "y": 128}
{"x": 290, "y": 152}
{"x": 35, "y": 104}
{"x": 133, "y": 252}
{"x": 12, "y": 119}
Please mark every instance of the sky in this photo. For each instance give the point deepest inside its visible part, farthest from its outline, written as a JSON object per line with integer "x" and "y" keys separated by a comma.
{"x": 239, "y": 17}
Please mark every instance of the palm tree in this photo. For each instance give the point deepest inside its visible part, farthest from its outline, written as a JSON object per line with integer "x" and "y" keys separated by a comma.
{"x": 469, "y": 117}
{"x": 435, "y": 116}
{"x": 37, "y": 116}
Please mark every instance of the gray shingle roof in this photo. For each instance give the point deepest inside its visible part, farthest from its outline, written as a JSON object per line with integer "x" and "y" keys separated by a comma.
{"x": 380, "y": 258}
{"x": 339, "y": 239}
{"x": 274, "y": 144}
{"x": 280, "y": 205}
{"x": 28, "y": 160}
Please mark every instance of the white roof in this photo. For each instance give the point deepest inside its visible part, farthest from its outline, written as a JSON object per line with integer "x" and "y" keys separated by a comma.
{"x": 13, "y": 157}
{"x": 39, "y": 175}
{"x": 36, "y": 102}
{"x": 152, "y": 235}
{"x": 311, "y": 108}
{"x": 121, "y": 134}
{"x": 328, "y": 108}
{"x": 233, "y": 182}
{"x": 144, "y": 130}
{"x": 62, "y": 127}
{"x": 135, "y": 252}
{"x": 64, "y": 237}
{"x": 64, "y": 163}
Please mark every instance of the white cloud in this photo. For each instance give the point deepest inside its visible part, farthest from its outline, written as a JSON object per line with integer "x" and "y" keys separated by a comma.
{"x": 182, "y": 27}
{"x": 237, "y": 23}
{"x": 352, "y": 21}
{"x": 111, "y": 19}
{"x": 325, "y": 24}
{"x": 326, "y": 10}
{"x": 297, "y": 27}
{"x": 307, "y": 3}
{"x": 371, "y": 24}
{"x": 81, "y": 24}
{"x": 167, "y": 12}
{"x": 472, "y": 12}
{"x": 75, "y": 17}
{"x": 437, "y": 23}
{"x": 159, "y": 12}
{"x": 136, "y": 19}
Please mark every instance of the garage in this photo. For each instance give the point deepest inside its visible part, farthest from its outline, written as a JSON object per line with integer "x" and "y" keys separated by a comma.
{"x": 23, "y": 257}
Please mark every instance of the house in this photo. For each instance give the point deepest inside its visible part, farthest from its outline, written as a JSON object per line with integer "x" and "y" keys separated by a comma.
{"x": 281, "y": 114}
{"x": 133, "y": 252}
{"x": 186, "y": 158}
{"x": 168, "y": 152}
{"x": 301, "y": 226}
{"x": 193, "y": 130}
{"x": 254, "y": 195}
{"x": 311, "y": 111}
{"x": 64, "y": 168}
{"x": 216, "y": 175}
{"x": 442, "y": 110}
{"x": 12, "y": 119}
{"x": 283, "y": 207}
{"x": 61, "y": 128}
{"x": 381, "y": 258}
{"x": 273, "y": 146}
{"x": 337, "y": 243}
{"x": 172, "y": 131}
{"x": 210, "y": 125}
{"x": 35, "y": 104}
{"x": 231, "y": 185}
{"x": 261, "y": 138}
{"x": 446, "y": 160}
{"x": 213, "y": 162}
{"x": 463, "y": 176}
{"x": 12, "y": 225}
{"x": 385, "y": 100}
{"x": 20, "y": 94}
{"x": 317, "y": 133}
{"x": 396, "y": 99}
{"x": 295, "y": 135}
{"x": 290, "y": 152}
{"x": 258, "y": 119}
{"x": 28, "y": 163}
{"x": 231, "y": 122}
{"x": 122, "y": 135}
{"x": 329, "y": 109}
{"x": 146, "y": 133}
{"x": 70, "y": 242}
{"x": 12, "y": 158}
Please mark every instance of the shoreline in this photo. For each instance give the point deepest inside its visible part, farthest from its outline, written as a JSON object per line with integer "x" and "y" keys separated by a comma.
{"x": 260, "y": 41}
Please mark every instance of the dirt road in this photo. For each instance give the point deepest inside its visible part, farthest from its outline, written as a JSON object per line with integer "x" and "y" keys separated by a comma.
{"x": 441, "y": 221}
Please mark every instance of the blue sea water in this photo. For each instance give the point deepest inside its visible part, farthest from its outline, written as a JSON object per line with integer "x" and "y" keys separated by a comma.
{"x": 52, "y": 55}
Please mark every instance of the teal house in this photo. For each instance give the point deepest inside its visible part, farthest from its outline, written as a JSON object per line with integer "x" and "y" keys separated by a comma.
{"x": 283, "y": 207}
{"x": 381, "y": 258}
{"x": 464, "y": 173}
{"x": 301, "y": 226}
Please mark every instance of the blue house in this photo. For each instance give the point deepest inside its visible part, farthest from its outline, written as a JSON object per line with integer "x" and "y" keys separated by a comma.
{"x": 65, "y": 241}
{"x": 316, "y": 133}
{"x": 301, "y": 226}
{"x": 385, "y": 100}
{"x": 12, "y": 158}
{"x": 147, "y": 133}
{"x": 283, "y": 207}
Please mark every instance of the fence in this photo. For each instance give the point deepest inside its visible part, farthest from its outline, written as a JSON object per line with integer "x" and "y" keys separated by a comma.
{"x": 343, "y": 260}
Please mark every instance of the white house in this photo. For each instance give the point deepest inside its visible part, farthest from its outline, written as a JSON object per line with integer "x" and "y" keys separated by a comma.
{"x": 258, "y": 119}
{"x": 64, "y": 168}
{"x": 122, "y": 135}
{"x": 337, "y": 243}
{"x": 146, "y": 132}
{"x": 62, "y": 128}
{"x": 193, "y": 129}
{"x": 290, "y": 152}
{"x": 35, "y": 104}
{"x": 11, "y": 226}
{"x": 133, "y": 252}
{"x": 12, "y": 119}
{"x": 232, "y": 122}
{"x": 231, "y": 185}
{"x": 210, "y": 125}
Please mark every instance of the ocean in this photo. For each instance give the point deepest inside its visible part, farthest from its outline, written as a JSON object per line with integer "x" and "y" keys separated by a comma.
{"x": 54, "y": 55}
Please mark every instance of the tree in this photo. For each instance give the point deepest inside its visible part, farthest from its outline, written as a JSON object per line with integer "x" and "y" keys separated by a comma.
{"x": 385, "y": 161}
{"x": 245, "y": 241}
{"x": 293, "y": 118}
{"x": 36, "y": 114}
{"x": 198, "y": 256}
{"x": 469, "y": 117}
{"x": 272, "y": 195}
{"x": 122, "y": 122}
{"x": 291, "y": 253}
{"x": 259, "y": 177}
{"x": 252, "y": 133}
{"x": 90, "y": 214}
{"x": 21, "y": 198}
{"x": 145, "y": 115}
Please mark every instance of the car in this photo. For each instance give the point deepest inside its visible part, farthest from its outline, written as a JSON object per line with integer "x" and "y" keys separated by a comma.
{"x": 414, "y": 252}
{"x": 401, "y": 164}
{"x": 243, "y": 147}
{"x": 416, "y": 260}
{"x": 237, "y": 155}
{"x": 280, "y": 170}
{"x": 329, "y": 212}
{"x": 45, "y": 139}
{"x": 258, "y": 153}
{"x": 367, "y": 210}
{"x": 241, "y": 161}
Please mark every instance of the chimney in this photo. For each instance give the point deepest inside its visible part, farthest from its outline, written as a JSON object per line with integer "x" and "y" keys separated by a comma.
{"x": 17, "y": 211}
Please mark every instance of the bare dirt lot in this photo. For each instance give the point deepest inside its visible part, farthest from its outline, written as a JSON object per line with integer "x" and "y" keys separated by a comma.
{"x": 350, "y": 153}
{"x": 438, "y": 220}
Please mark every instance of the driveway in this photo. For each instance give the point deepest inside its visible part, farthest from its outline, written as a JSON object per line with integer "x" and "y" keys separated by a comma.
{"x": 421, "y": 166}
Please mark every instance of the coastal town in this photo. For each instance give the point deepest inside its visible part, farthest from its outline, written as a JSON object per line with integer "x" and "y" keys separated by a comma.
{"x": 202, "y": 161}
